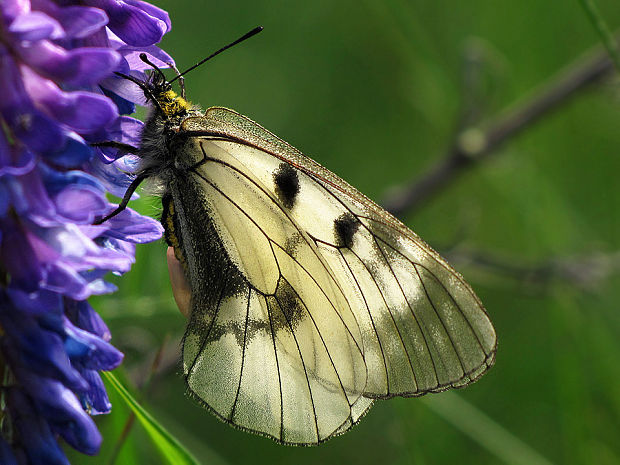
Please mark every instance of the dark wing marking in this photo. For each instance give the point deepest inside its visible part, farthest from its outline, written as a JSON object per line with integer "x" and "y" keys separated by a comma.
{"x": 301, "y": 323}
{"x": 287, "y": 184}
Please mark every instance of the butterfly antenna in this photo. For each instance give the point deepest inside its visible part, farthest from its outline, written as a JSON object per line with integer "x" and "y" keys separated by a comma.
{"x": 145, "y": 59}
{"x": 181, "y": 78}
{"x": 253, "y": 32}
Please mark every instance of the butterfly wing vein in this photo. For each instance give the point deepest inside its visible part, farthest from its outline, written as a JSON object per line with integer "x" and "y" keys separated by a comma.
{"x": 321, "y": 301}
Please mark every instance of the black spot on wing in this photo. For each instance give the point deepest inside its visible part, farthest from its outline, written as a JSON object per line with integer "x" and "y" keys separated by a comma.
{"x": 292, "y": 309}
{"x": 287, "y": 184}
{"x": 241, "y": 333}
{"x": 345, "y": 227}
{"x": 292, "y": 243}
{"x": 212, "y": 275}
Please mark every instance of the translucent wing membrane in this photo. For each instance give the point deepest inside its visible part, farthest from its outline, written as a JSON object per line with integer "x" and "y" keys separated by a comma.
{"x": 316, "y": 300}
{"x": 282, "y": 353}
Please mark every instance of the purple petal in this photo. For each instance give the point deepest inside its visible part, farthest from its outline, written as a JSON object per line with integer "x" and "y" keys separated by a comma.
{"x": 78, "y": 22}
{"x": 35, "y": 303}
{"x": 29, "y": 125}
{"x": 132, "y": 227}
{"x": 78, "y": 67}
{"x": 83, "y": 253}
{"x": 125, "y": 130}
{"x": 6, "y": 454}
{"x": 38, "y": 132}
{"x": 84, "y": 112}
{"x": 5, "y": 202}
{"x": 153, "y": 11}
{"x": 125, "y": 107}
{"x": 14, "y": 160}
{"x": 24, "y": 189}
{"x": 95, "y": 400}
{"x": 112, "y": 177}
{"x": 75, "y": 196}
{"x": 55, "y": 181}
{"x": 106, "y": 260}
{"x": 33, "y": 431}
{"x": 34, "y": 129}
{"x": 85, "y": 317}
{"x": 63, "y": 410}
{"x": 134, "y": 23}
{"x": 156, "y": 55}
{"x": 72, "y": 244}
{"x": 73, "y": 153}
{"x": 43, "y": 352}
{"x": 101, "y": 356}
{"x": 100, "y": 287}
{"x": 29, "y": 196}
{"x": 36, "y": 26}
{"x": 44, "y": 252}
{"x": 81, "y": 21}
{"x": 19, "y": 258}
{"x": 64, "y": 279}
{"x": 80, "y": 204}
{"x": 82, "y": 436}
{"x": 24, "y": 164}
{"x": 126, "y": 89}
{"x": 13, "y": 8}
{"x": 126, "y": 248}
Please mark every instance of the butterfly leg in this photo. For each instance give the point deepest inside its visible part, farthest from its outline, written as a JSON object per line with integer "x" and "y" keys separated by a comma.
{"x": 116, "y": 145}
{"x": 128, "y": 193}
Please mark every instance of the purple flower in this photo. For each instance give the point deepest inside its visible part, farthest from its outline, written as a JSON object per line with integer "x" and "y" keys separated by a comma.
{"x": 60, "y": 98}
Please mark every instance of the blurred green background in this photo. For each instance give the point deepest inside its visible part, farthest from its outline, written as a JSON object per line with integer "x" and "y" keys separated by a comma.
{"x": 377, "y": 91}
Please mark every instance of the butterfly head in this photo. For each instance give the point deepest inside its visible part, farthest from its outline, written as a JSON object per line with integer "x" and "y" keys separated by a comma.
{"x": 158, "y": 90}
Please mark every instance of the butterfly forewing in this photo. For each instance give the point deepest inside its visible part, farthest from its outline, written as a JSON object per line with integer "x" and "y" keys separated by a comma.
{"x": 321, "y": 300}
{"x": 290, "y": 358}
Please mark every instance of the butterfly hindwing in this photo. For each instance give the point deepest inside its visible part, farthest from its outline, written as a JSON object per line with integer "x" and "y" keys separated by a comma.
{"x": 278, "y": 351}
{"x": 317, "y": 300}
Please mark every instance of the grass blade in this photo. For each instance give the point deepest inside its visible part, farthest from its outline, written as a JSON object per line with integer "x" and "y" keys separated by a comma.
{"x": 170, "y": 448}
{"x": 483, "y": 430}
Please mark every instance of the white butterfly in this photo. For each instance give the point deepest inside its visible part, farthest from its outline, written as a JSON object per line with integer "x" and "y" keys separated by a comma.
{"x": 308, "y": 301}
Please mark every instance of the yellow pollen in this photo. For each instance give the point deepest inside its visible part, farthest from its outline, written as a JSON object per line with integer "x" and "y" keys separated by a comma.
{"x": 172, "y": 104}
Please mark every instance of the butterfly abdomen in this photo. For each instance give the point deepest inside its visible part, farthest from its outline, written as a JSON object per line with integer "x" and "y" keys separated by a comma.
{"x": 169, "y": 221}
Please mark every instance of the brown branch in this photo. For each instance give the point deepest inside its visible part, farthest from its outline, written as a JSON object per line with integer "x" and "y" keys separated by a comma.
{"x": 585, "y": 272}
{"x": 478, "y": 143}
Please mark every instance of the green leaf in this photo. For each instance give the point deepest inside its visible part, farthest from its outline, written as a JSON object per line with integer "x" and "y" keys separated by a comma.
{"x": 170, "y": 448}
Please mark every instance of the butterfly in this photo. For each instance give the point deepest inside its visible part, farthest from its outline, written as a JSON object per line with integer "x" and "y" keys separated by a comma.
{"x": 308, "y": 300}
